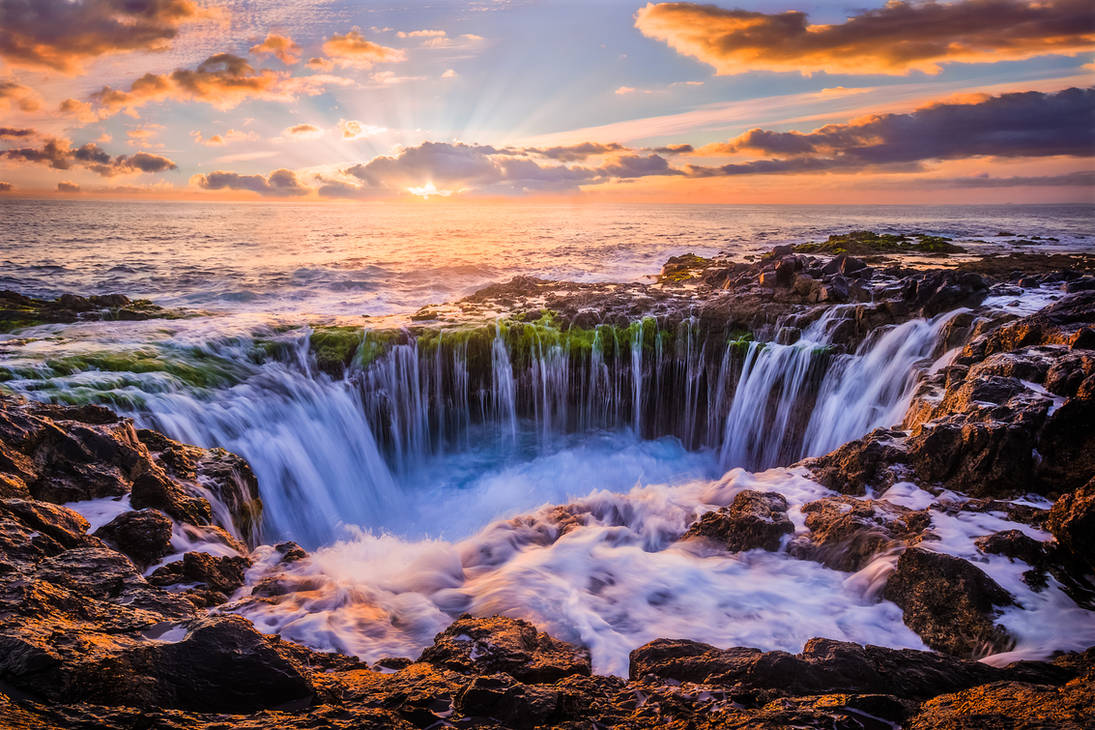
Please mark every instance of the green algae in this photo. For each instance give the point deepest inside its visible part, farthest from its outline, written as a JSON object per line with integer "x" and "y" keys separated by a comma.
{"x": 865, "y": 243}
{"x": 195, "y": 368}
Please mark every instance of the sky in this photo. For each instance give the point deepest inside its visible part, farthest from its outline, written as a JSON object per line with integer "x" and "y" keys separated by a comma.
{"x": 793, "y": 101}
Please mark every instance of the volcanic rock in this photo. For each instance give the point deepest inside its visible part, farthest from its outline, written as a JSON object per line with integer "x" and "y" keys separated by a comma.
{"x": 510, "y": 646}
{"x": 753, "y": 520}
{"x": 143, "y": 535}
{"x": 950, "y": 603}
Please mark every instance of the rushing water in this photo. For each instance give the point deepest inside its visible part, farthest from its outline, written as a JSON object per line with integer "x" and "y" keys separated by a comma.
{"x": 428, "y": 481}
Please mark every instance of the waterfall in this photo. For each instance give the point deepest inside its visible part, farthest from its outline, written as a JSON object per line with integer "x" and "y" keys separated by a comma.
{"x": 354, "y": 449}
{"x": 799, "y": 400}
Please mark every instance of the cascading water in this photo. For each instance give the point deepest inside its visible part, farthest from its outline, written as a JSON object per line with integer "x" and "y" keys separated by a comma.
{"x": 794, "y": 401}
{"x": 453, "y": 409}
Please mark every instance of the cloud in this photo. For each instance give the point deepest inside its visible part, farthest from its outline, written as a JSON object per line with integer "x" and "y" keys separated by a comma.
{"x": 426, "y": 33}
{"x": 61, "y": 34}
{"x": 1080, "y": 178}
{"x": 445, "y": 168}
{"x": 222, "y": 80}
{"x": 67, "y": 187}
{"x": 571, "y": 153}
{"x": 16, "y": 133}
{"x": 449, "y": 74}
{"x": 280, "y": 183}
{"x": 352, "y": 49}
{"x": 320, "y": 64}
{"x": 674, "y": 149}
{"x": 352, "y": 129}
{"x": 303, "y": 131}
{"x": 895, "y": 39}
{"x": 61, "y": 155}
{"x": 6, "y": 187}
{"x": 79, "y": 109}
{"x": 24, "y": 98}
{"x": 281, "y": 47}
{"x": 223, "y": 138}
{"x": 1025, "y": 124}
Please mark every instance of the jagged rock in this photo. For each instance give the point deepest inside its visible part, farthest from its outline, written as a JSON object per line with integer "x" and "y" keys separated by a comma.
{"x": 499, "y": 697}
{"x": 937, "y": 291}
{"x": 158, "y": 491}
{"x": 221, "y": 576}
{"x": 851, "y": 468}
{"x": 510, "y": 646}
{"x": 144, "y": 535}
{"x": 753, "y": 520}
{"x": 228, "y": 476}
{"x": 290, "y": 552}
{"x": 950, "y": 603}
{"x": 1072, "y": 522}
{"x": 1061, "y": 323}
{"x": 846, "y": 533}
{"x": 1010, "y": 705}
{"x": 824, "y": 666}
{"x": 1013, "y": 544}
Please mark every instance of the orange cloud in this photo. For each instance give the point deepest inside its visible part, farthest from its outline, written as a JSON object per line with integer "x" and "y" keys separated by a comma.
{"x": 895, "y": 39}
{"x": 1027, "y": 124}
{"x": 223, "y": 81}
{"x": 303, "y": 131}
{"x": 60, "y": 34}
{"x": 219, "y": 140}
{"x": 352, "y": 49}
{"x": 279, "y": 46}
{"x": 67, "y": 187}
{"x": 18, "y": 96}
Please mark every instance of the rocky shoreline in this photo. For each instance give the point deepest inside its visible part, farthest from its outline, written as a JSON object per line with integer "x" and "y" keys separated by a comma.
{"x": 127, "y": 623}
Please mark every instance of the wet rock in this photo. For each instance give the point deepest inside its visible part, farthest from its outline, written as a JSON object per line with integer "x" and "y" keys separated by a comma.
{"x": 823, "y": 666}
{"x": 229, "y": 477}
{"x": 1072, "y": 522}
{"x": 1010, "y": 705}
{"x": 221, "y": 576}
{"x": 859, "y": 464}
{"x": 157, "y": 491}
{"x": 510, "y": 646}
{"x": 1061, "y": 323}
{"x": 950, "y": 603}
{"x": 290, "y": 552}
{"x": 143, "y": 535}
{"x": 1013, "y": 544}
{"x": 753, "y": 520}
{"x": 846, "y": 534}
{"x": 504, "y": 700}
{"x": 992, "y": 458}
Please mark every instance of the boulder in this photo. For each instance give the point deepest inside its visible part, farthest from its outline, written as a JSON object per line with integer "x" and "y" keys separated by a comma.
{"x": 824, "y": 666}
{"x": 1072, "y": 522}
{"x": 143, "y": 535}
{"x": 156, "y": 490}
{"x": 859, "y": 464}
{"x": 509, "y": 646}
{"x": 846, "y": 533}
{"x": 753, "y": 520}
{"x": 1010, "y": 705}
{"x": 221, "y": 576}
{"x": 950, "y": 603}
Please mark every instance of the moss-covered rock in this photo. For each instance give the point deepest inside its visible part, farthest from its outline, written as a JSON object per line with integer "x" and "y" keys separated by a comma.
{"x": 865, "y": 243}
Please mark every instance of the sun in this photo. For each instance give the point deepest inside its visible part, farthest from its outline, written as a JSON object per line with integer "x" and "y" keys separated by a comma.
{"x": 425, "y": 191}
